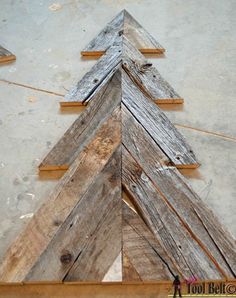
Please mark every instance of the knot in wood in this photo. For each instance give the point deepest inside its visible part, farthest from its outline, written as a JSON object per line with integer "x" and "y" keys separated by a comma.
{"x": 145, "y": 66}
{"x": 66, "y": 258}
{"x": 121, "y": 32}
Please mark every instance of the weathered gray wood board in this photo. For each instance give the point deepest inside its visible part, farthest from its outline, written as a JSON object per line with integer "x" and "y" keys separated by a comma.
{"x": 6, "y": 56}
{"x": 89, "y": 240}
{"x": 194, "y": 214}
{"x": 146, "y": 76}
{"x": 142, "y": 251}
{"x": 120, "y": 89}
{"x": 123, "y": 24}
{"x": 82, "y": 130}
{"x": 97, "y": 77}
{"x": 124, "y": 54}
{"x": 45, "y": 224}
{"x": 157, "y": 125}
{"x": 181, "y": 247}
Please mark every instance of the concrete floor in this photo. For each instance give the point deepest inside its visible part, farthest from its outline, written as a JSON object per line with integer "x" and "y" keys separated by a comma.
{"x": 199, "y": 37}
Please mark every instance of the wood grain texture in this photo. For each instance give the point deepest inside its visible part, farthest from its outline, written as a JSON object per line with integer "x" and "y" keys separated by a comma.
{"x": 83, "y": 129}
{"x": 89, "y": 240}
{"x": 182, "y": 249}
{"x": 125, "y": 24}
{"x": 146, "y": 76}
{"x": 122, "y": 52}
{"x": 195, "y": 215}
{"x": 139, "y": 143}
{"x": 143, "y": 251}
{"x": 6, "y": 56}
{"x": 140, "y": 37}
{"x": 128, "y": 271}
{"x": 28, "y": 247}
{"x": 163, "y": 132}
{"x": 87, "y": 290}
{"x": 95, "y": 79}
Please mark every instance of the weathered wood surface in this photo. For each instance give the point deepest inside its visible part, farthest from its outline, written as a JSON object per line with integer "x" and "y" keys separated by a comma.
{"x": 28, "y": 247}
{"x": 123, "y": 24}
{"x": 106, "y": 37}
{"x": 184, "y": 251}
{"x": 146, "y": 76}
{"x": 157, "y": 125}
{"x": 138, "y": 68}
{"x": 82, "y": 130}
{"x": 86, "y": 290}
{"x": 96, "y": 78}
{"x": 141, "y": 145}
{"x": 89, "y": 240}
{"x": 142, "y": 251}
{"x": 140, "y": 37}
{"x": 194, "y": 214}
{"x": 6, "y": 56}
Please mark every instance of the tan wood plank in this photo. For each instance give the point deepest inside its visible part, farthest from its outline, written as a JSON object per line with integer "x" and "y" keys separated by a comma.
{"x": 128, "y": 271}
{"x": 82, "y": 130}
{"x": 171, "y": 142}
{"x": 183, "y": 250}
{"x": 6, "y": 56}
{"x": 27, "y": 248}
{"x": 89, "y": 240}
{"x": 143, "y": 251}
{"x": 87, "y": 290}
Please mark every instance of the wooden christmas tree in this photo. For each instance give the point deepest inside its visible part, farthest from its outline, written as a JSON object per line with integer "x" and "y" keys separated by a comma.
{"x": 121, "y": 191}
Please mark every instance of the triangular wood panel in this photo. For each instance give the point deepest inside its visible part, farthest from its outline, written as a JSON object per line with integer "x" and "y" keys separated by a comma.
{"x": 125, "y": 24}
{"x": 123, "y": 54}
{"x": 6, "y": 56}
{"x": 154, "y": 121}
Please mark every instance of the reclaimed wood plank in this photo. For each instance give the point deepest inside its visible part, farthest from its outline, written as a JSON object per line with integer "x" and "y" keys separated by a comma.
{"x": 155, "y": 122}
{"x": 87, "y": 290}
{"x": 82, "y": 130}
{"x": 138, "y": 68}
{"x": 123, "y": 24}
{"x": 147, "y": 77}
{"x": 195, "y": 215}
{"x": 143, "y": 251}
{"x": 95, "y": 79}
{"x": 6, "y": 56}
{"x": 89, "y": 240}
{"x": 138, "y": 141}
{"x": 128, "y": 271}
{"x": 190, "y": 259}
{"x": 140, "y": 37}
{"x": 105, "y": 38}
{"x": 28, "y": 247}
